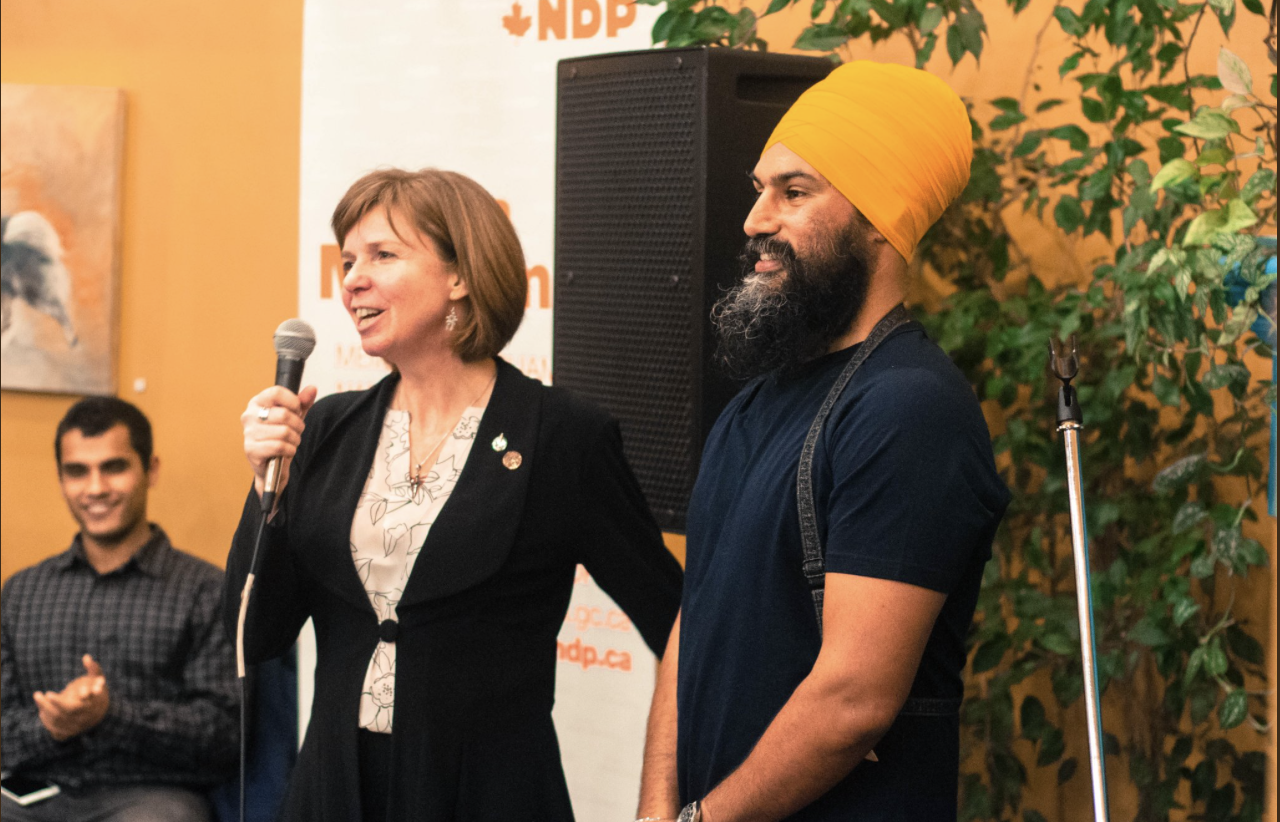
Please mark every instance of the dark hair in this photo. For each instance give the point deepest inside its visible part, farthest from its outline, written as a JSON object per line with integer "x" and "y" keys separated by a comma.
{"x": 472, "y": 234}
{"x": 93, "y": 416}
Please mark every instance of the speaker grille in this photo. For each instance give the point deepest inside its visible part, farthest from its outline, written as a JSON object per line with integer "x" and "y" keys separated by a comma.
{"x": 652, "y": 148}
{"x": 627, "y": 229}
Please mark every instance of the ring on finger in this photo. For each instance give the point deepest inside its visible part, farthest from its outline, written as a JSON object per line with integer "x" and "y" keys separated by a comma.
{"x": 263, "y": 413}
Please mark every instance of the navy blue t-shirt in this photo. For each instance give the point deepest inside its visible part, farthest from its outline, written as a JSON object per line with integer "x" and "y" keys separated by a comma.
{"x": 906, "y": 489}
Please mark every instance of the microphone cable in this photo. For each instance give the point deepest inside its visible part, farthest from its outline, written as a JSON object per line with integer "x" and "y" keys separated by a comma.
{"x": 294, "y": 340}
{"x": 241, "y": 669}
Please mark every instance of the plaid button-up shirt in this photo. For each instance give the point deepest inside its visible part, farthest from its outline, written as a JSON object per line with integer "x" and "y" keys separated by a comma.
{"x": 153, "y": 627}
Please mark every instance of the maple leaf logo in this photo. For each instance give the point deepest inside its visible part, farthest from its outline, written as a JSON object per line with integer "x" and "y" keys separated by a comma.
{"x": 516, "y": 22}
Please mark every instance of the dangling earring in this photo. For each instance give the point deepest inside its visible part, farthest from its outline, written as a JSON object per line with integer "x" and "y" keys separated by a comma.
{"x": 451, "y": 321}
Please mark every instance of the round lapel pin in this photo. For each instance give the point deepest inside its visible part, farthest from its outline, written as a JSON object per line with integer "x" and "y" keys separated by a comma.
{"x": 512, "y": 460}
{"x": 499, "y": 442}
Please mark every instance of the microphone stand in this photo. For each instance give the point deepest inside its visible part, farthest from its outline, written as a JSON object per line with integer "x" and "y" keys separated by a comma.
{"x": 1065, "y": 364}
{"x": 294, "y": 341}
{"x": 268, "y": 500}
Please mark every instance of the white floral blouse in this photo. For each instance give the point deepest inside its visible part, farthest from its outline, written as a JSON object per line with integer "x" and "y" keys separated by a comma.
{"x": 391, "y": 522}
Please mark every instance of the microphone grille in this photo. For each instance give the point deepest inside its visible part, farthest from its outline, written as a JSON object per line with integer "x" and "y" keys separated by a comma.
{"x": 294, "y": 340}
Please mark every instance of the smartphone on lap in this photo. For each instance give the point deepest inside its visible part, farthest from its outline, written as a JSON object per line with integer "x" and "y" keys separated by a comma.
{"x": 26, "y": 790}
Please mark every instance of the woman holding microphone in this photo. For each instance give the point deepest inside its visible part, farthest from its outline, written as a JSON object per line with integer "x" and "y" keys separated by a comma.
{"x": 431, "y": 526}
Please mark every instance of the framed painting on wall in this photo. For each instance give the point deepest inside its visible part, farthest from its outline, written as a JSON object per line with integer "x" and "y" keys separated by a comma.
{"x": 61, "y": 159}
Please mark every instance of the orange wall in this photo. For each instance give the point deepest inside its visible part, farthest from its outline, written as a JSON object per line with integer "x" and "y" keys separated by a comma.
{"x": 209, "y": 243}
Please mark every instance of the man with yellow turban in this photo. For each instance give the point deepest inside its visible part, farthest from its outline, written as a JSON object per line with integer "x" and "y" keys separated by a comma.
{"x": 847, "y": 498}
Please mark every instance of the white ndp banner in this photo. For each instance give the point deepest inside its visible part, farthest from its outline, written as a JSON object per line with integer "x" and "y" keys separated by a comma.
{"x": 471, "y": 87}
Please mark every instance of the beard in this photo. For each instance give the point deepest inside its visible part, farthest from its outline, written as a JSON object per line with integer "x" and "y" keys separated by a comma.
{"x": 133, "y": 511}
{"x": 781, "y": 320}
{"x": 111, "y": 537}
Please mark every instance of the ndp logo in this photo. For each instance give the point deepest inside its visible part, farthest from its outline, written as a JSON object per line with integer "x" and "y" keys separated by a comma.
{"x": 578, "y": 19}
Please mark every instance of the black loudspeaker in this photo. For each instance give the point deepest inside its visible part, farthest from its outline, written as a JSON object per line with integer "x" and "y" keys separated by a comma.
{"x": 653, "y": 150}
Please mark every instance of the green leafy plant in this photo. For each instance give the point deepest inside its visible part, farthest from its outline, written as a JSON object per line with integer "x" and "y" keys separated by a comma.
{"x": 1175, "y": 173}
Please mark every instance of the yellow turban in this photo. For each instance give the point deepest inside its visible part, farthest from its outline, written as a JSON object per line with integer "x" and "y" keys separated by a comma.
{"x": 895, "y": 141}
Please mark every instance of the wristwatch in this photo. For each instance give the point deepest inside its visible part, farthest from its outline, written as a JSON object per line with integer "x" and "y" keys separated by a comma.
{"x": 691, "y": 813}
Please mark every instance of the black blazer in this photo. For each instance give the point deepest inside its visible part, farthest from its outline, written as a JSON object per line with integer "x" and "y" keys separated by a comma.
{"x": 476, "y": 647}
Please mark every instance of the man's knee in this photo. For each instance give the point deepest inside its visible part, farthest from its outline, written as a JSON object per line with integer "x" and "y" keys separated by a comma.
{"x": 163, "y": 805}
{"x": 13, "y": 812}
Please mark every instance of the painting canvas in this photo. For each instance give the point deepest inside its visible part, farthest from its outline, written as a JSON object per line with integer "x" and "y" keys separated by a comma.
{"x": 61, "y": 157}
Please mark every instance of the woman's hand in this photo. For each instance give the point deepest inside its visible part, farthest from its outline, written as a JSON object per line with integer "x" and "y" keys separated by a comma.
{"x": 273, "y": 424}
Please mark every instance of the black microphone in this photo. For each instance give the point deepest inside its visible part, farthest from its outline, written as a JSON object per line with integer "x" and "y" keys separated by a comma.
{"x": 294, "y": 341}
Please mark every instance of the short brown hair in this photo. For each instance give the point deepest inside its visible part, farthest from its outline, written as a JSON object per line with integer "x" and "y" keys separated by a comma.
{"x": 472, "y": 235}
{"x": 94, "y": 416}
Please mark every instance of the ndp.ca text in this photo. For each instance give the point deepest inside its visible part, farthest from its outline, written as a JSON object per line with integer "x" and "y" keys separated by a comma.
{"x": 578, "y": 652}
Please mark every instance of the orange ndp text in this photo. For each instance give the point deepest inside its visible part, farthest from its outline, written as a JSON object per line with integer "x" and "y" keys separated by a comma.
{"x": 576, "y": 19}
{"x": 594, "y": 618}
